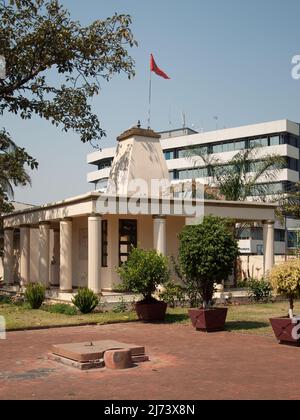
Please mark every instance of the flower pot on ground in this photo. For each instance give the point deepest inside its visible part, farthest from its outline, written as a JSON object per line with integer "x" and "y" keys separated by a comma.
{"x": 285, "y": 280}
{"x": 142, "y": 273}
{"x": 206, "y": 256}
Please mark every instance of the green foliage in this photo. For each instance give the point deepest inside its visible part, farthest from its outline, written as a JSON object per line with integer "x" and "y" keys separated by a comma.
{"x": 13, "y": 163}
{"x": 120, "y": 307}
{"x": 260, "y": 290}
{"x": 61, "y": 308}
{"x": 39, "y": 35}
{"x": 5, "y": 299}
{"x": 85, "y": 300}
{"x": 35, "y": 295}
{"x": 172, "y": 294}
{"x": 143, "y": 272}
{"x": 190, "y": 288}
{"x": 236, "y": 181}
{"x": 285, "y": 279}
{"x": 206, "y": 255}
{"x": 54, "y": 66}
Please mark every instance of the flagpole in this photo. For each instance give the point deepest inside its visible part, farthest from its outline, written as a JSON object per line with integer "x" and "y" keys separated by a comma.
{"x": 150, "y": 98}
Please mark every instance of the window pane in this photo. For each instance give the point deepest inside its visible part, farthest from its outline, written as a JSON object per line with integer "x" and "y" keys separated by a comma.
{"x": 274, "y": 141}
{"x": 217, "y": 148}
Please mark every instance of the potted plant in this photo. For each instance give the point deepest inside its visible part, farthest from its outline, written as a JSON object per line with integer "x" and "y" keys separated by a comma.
{"x": 206, "y": 256}
{"x": 285, "y": 280}
{"x": 142, "y": 273}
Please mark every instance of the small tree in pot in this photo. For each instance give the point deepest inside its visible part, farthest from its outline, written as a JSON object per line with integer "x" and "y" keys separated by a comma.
{"x": 142, "y": 273}
{"x": 206, "y": 255}
{"x": 285, "y": 280}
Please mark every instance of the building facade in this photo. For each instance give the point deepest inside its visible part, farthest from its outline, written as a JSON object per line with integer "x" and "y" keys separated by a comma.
{"x": 182, "y": 148}
{"x": 81, "y": 241}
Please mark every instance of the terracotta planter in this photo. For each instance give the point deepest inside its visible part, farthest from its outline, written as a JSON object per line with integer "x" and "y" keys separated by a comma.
{"x": 285, "y": 331}
{"x": 208, "y": 320}
{"x": 148, "y": 312}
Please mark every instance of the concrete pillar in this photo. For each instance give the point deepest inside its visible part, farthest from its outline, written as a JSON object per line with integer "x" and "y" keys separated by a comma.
{"x": 55, "y": 261}
{"x": 268, "y": 229}
{"x": 159, "y": 234}
{"x": 24, "y": 255}
{"x": 44, "y": 255}
{"x": 66, "y": 255}
{"x": 94, "y": 253}
{"x": 8, "y": 256}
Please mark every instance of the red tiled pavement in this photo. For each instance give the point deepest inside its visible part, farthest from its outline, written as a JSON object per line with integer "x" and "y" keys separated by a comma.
{"x": 185, "y": 364}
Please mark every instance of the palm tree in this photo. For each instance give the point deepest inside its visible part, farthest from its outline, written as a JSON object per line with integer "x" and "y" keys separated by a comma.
{"x": 240, "y": 178}
{"x": 289, "y": 203}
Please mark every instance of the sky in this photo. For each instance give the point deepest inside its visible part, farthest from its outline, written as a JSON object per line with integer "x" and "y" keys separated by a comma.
{"x": 230, "y": 59}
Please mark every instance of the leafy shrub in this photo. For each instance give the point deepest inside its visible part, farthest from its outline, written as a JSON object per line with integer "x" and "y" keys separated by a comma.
{"x": 206, "y": 255}
{"x": 172, "y": 294}
{"x": 143, "y": 272}
{"x": 4, "y": 299}
{"x": 35, "y": 295}
{"x": 285, "y": 280}
{"x": 120, "y": 307}
{"x": 190, "y": 288}
{"x": 61, "y": 308}
{"x": 260, "y": 290}
{"x": 85, "y": 300}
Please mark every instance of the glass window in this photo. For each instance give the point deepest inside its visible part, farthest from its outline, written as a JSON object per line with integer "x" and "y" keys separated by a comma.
{"x": 104, "y": 245}
{"x": 169, "y": 154}
{"x": 127, "y": 238}
{"x": 263, "y": 142}
{"x": 279, "y": 235}
{"x": 274, "y": 140}
{"x": 239, "y": 145}
{"x": 217, "y": 148}
{"x": 182, "y": 153}
{"x": 228, "y": 147}
{"x": 244, "y": 234}
{"x": 257, "y": 234}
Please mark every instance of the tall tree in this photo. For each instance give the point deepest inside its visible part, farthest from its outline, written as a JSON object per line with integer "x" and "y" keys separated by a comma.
{"x": 54, "y": 66}
{"x": 247, "y": 174}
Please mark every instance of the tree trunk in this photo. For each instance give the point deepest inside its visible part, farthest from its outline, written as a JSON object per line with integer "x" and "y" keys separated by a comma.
{"x": 291, "y": 311}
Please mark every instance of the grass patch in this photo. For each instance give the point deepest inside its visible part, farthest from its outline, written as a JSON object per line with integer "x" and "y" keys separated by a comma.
{"x": 253, "y": 319}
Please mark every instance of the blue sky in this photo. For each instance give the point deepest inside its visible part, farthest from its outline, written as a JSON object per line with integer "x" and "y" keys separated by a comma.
{"x": 230, "y": 59}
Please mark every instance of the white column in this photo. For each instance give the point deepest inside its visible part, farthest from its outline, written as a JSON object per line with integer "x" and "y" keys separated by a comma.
{"x": 44, "y": 248}
{"x": 55, "y": 262}
{"x": 66, "y": 255}
{"x": 268, "y": 229}
{"x": 94, "y": 253}
{"x": 159, "y": 234}
{"x": 24, "y": 255}
{"x": 8, "y": 256}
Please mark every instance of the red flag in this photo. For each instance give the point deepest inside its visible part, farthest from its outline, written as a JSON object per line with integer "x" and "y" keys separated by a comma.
{"x": 156, "y": 69}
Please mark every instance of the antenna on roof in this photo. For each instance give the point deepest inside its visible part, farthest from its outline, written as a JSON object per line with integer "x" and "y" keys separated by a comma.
{"x": 183, "y": 119}
{"x": 216, "y": 118}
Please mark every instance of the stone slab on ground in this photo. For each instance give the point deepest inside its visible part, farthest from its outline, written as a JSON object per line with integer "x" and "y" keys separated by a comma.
{"x": 95, "y": 364}
{"x": 88, "y": 351}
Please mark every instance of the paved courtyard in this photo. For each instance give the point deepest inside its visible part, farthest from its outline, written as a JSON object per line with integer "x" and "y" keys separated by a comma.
{"x": 185, "y": 364}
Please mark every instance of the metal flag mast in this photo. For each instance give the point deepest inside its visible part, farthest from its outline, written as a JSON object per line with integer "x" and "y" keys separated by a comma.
{"x": 150, "y": 98}
{"x": 153, "y": 68}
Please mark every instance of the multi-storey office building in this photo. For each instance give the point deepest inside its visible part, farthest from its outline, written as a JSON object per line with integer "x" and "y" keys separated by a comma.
{"x": 182, "y": 148}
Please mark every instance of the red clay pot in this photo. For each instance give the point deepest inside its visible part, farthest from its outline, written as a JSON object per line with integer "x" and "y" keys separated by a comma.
{"x": 148, "y": 312}
{"x": 208, "y": 320}
{"x": 285, "y": 331}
